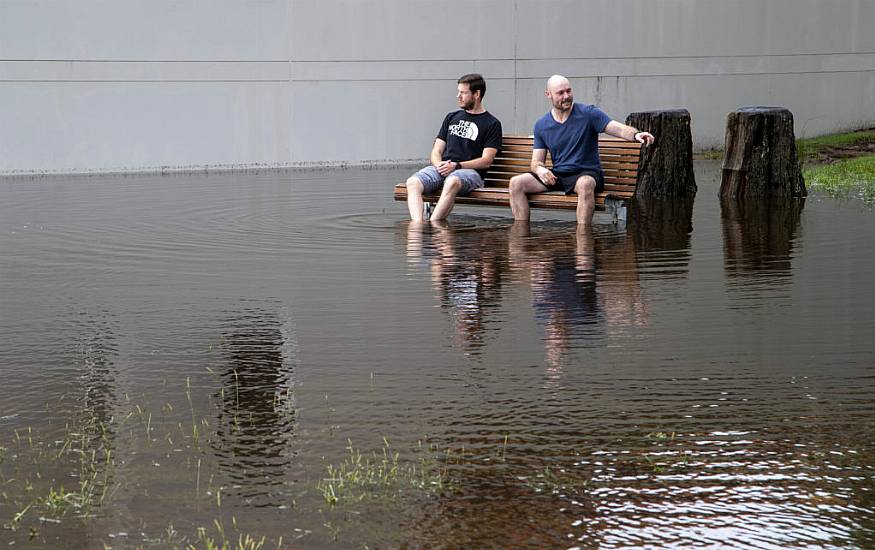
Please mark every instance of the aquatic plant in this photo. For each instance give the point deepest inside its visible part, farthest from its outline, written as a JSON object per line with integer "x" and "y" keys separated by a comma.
{"x": 221, "y": 542}
{"x": 845, "y": 179}
{"x": 384, "y": 474}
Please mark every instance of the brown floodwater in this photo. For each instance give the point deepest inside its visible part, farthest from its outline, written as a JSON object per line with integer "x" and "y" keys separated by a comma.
{"x": 191, "y": 360}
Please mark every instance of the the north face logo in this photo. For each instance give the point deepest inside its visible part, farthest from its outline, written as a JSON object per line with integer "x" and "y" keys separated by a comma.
{"x": 464, "y": 129}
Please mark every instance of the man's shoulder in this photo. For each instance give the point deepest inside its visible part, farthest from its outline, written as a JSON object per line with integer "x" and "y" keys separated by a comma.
{"x": 544, "y": 120}
{"x": 585, "y": 108}
{"x": 454, "y": 114}
{"x": 490, "y": 118}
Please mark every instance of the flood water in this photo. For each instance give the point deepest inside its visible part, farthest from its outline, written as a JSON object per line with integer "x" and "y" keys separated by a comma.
{"x": 195, "y": 359}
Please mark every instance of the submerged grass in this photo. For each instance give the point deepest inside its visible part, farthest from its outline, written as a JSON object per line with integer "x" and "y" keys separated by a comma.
{"x": 69, "y": 476}
{"x": 383, "y": 474}
{"x": 851, "y": 178}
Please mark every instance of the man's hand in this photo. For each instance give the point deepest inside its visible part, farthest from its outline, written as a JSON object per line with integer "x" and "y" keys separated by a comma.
{"x": 545, "y": 175}
{"x": 644, "y": 137}
{"x": 445, "y": 167}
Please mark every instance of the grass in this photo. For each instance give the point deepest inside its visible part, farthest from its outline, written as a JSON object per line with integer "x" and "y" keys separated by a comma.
{"x": 363, "y": 476}
{"x": 850, "y": 178}
{"x": 72, "y": 476}
{"x": 812, "y": 149}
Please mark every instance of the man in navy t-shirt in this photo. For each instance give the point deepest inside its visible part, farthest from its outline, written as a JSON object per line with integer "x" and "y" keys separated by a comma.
{"x": 463, "y": 151}
{"x": 570, "y": 132}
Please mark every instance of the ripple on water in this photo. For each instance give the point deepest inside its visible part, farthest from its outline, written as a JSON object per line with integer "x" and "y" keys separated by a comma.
{"x": 643, "y": 385}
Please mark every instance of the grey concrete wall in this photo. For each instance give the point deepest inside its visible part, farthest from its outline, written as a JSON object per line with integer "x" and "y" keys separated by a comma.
{"x": 106, "y": 85}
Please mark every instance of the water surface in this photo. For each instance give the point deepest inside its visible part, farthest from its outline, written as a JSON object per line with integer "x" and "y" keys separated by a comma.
{"x": 283, "y": 355}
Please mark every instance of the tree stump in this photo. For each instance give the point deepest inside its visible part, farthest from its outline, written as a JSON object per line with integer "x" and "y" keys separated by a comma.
{"x": 665, "y": 168}
{"x": 759, "y": 159}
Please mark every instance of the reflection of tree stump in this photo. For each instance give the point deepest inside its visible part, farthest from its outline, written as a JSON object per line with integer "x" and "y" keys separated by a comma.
{"x": 758, "y": 236}
{"x": 760, "y": 155}
{"x": 660, "y": 224}
{"x": 666, "y": 167}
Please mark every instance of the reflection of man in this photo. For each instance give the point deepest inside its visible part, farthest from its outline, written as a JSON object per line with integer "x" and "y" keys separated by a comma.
{"x": 463, "y": 151}
{"x": 563, "y": 282}
{"x": 466, "y": 269}
{"x": 570, "y": 132}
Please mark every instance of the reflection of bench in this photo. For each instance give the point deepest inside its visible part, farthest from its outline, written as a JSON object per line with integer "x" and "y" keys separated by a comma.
{"x": 619, "y": 161}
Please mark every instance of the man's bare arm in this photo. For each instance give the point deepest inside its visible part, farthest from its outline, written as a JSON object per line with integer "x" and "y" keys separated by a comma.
{"x": 483, "y": 162}
{"x": 539, "y": 158}
{"x": 437, "y": 152}
{"x": 444, "y": 167}
{"x": 628, "y": 133}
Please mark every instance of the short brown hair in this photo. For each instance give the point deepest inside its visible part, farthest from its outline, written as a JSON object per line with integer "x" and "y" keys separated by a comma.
{"x": 475, "y": 82}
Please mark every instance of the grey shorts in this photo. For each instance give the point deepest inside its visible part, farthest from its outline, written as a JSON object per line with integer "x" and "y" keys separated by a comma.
{"x": 432, "y": 180}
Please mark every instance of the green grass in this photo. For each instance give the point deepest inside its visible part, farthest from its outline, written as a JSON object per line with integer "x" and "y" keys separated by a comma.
{"x": 849, "y": 178}
{"x": 810, "y": 149}
{"x": 361, "y": 476}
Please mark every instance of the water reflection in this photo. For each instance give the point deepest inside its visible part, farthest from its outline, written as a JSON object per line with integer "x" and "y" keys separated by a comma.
{"x": 97, "y": 347}
{"x": 661, "y": 229}
{"x": 584, "y": 282}
{"x": 758, "y": 236}
{"x": 560, "y": 267}
{"x": 467, "y": 266}
{"x": 256, "y": 417}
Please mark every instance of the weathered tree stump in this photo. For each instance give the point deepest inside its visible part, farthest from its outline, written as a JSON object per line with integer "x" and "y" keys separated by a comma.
{"x": 665, "y": 168}
{"x": 759, "y": 159}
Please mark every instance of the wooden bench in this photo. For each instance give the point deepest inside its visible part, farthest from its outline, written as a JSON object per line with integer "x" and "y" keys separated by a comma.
{"x": 619, "y": 160}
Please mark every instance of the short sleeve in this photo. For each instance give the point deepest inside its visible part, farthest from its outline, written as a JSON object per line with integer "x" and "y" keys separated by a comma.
{"x": 442, "y": 131}
{"x": 493, "y": 137}
{"x": 539, "y": 141}
{"x": 600, "y": 119}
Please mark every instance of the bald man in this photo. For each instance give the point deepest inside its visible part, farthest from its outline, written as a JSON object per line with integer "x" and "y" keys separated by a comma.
{"x": 570, "y": 132}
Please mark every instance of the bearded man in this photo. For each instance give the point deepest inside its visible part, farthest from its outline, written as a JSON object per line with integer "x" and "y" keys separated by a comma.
{"x": 570, "y": 132}
{"x": 463, "y": 151}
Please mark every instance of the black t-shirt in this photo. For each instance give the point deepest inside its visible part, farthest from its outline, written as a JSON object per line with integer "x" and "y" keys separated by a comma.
{"x": 467, "y": 135}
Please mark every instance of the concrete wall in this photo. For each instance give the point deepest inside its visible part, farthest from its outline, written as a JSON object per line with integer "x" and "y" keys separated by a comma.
{"x": 103, "y": 85}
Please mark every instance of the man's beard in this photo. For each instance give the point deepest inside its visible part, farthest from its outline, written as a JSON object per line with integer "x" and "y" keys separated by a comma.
{"x": 563, "y": 105}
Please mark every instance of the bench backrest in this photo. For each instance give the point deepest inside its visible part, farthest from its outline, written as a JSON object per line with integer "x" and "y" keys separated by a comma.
{"x": 619, "y": 160}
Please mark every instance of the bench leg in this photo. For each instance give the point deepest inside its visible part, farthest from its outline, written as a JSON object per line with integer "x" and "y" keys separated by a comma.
{"x": 616, "y": 208}
{"x": 427, "y": 209}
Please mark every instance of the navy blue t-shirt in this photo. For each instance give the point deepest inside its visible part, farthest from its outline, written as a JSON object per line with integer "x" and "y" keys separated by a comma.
{"x": 466, "y": 135}
{"x": 574, "y": 144}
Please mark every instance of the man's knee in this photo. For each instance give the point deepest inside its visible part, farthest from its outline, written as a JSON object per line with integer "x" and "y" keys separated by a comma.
{"x": 452, "y": 185}
{"x": 414, "y": 185}
{"x": 517, "y": 185}
{"x": 585, "y": 185}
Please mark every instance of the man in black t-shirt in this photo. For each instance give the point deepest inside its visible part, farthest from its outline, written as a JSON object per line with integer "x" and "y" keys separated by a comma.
{"x": 465, "y": 147}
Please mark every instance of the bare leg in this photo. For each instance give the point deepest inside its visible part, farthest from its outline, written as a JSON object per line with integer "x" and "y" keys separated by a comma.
{"x": 516, "y": 246}
{"x": 585, "y": 251}
{"x": 414, "y": 240}
{"x": 585, "y": 189}
{"x": 414, "y": 198}
{"x": 452, "y": 186}
{"x": 519, "y": 187}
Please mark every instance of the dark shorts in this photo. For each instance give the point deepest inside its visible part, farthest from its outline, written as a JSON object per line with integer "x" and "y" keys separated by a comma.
{"x": 566, "y": 182}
